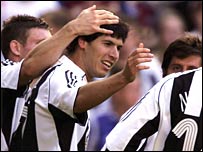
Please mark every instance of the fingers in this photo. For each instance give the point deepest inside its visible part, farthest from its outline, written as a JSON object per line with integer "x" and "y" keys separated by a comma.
{"x": 105, "y": 17}
{"x": 103, "y": 12}
{"x": 140, "y": 51}
{"x": 90, "y": 20}
{"x": 141, "y": 45}
{"x": 106, "y": 21}
{"x": 140, "y": 57}
{"x": 93, "y": 7}
{"x": 142, "y": 62}
{"x": 105, "y": 31}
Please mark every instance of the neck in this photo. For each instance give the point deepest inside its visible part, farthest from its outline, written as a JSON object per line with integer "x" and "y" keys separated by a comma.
{"x": 78, "y": 60}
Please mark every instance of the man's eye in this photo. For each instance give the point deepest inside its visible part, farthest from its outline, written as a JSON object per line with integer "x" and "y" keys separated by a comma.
{"x": 107, "y": 44}
{"x": 176, "y": 68}
{"x": 119, "y": 48}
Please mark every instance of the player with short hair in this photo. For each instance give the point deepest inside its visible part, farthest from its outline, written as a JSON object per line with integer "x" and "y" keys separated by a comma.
{"x": 58, "y": 116}
{"x": 167, "y": 118}
{"x": 22, "y": 34}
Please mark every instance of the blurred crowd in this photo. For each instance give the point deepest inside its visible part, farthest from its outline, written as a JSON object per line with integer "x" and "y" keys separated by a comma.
{"x": 154, "y": 23}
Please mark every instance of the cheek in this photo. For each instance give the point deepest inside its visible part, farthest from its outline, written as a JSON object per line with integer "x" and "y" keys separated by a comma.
{"x": 170, "y": 70}
{"x": 27, "y": 49}
{"x": 30, "y": 46}
{"x": 95, "y": 53}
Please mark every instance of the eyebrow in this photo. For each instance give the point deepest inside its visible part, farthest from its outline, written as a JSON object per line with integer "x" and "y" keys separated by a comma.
{"x": 111, "y": 42}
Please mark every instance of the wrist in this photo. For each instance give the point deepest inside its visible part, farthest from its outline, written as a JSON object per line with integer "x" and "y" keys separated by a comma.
{"x": 71, "y": 29}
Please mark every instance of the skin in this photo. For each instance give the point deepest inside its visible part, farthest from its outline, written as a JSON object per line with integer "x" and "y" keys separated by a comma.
{"x": 128, "y": 93}
{"x": 35, "y": 36}
{"x": 47, "y": 48}
{"x": 87, "y": 22}
{"x": 103, "y": 52}
{"x": 100, "y": 56}
{"x": 180, "y": 65}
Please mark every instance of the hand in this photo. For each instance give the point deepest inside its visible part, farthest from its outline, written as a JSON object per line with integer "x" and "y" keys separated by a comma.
{"x": 90, "y": 19}
{"x": 135, "y": 60}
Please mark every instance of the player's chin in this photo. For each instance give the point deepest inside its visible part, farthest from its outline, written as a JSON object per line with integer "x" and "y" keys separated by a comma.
{"x": 102, "y": 73}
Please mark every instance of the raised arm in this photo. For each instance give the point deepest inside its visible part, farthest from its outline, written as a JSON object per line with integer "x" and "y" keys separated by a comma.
{"x": 46, "y": 53}
{"x": 103, "y": 89}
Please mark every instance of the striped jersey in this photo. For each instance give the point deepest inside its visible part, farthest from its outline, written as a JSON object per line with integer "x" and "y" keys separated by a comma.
{"x": 10, "y": 92}
{"x": 51, "y": 124}
{"x": 167, "y": 118}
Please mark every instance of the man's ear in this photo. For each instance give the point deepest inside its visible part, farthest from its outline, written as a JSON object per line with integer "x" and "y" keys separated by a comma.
{"x": 15, "y": 47}
{"x": 82, "y": 43}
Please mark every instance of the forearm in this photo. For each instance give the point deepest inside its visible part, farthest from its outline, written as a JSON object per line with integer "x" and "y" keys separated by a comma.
{"x": 96, "y": 92}
{"x": 45, "y": 54}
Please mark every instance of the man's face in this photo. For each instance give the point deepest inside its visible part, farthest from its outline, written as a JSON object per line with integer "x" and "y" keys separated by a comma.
{"x": 35, "y": 36}
{"x": 101, "y": 55}
{"x": 180, "y": 65}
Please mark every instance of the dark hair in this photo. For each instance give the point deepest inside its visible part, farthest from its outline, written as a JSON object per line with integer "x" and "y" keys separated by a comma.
{"x": 120, "y": 30}
{"x": 181, "y": 48}
{"x": 16, "y": 28}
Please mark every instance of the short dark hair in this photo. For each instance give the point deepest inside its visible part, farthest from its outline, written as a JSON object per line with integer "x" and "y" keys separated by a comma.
{"x": 187, "y": 45}
{"x": 120, "y": 30}
{"x": 17, "y": 27}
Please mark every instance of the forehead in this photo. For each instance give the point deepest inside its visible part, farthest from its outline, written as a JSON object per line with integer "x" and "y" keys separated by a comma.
{"x": 38, "y": 34}
{"x": 108, "y": 38}
{"x": 190, "y": 60}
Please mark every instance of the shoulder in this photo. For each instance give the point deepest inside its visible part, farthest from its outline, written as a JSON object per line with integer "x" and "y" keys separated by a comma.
{"x": 187, "y": 76}
{"x": 180, "y": 80}
{"x": 10, "y": 74}
{"x": 7, "y": 62}
{"x": 10, "y": 66}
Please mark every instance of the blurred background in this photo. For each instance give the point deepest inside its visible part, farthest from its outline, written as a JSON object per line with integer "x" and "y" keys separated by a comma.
{"x": 156, "y": 23}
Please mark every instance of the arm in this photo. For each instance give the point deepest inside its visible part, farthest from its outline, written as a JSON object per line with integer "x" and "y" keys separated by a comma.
{"x": 103, "y": 89}
{"x": 47, "y": 52}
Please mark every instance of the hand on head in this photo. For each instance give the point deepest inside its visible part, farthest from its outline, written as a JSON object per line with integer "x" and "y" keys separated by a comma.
{"x": 90, "y": 20}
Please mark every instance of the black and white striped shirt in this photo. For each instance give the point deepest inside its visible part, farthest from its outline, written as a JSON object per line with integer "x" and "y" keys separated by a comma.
{"x": 51, "y": 124}
{"x": 168, "y": 117}
{"x": 10, "y": 92}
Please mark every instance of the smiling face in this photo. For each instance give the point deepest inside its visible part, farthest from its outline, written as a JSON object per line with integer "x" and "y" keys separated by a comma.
{"x": 100, "y": 55}
{"x": 180, "y": 65}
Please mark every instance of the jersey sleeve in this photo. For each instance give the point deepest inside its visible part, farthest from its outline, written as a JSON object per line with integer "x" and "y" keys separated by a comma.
{"x": 10, "y": 72}
{"x": 133, "y": 125}
{"x": 138, "y": 126}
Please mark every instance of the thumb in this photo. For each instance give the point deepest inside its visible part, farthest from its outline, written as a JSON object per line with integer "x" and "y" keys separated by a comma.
{"x": 141, "y": 45}
{"x": 93, "y": 7}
